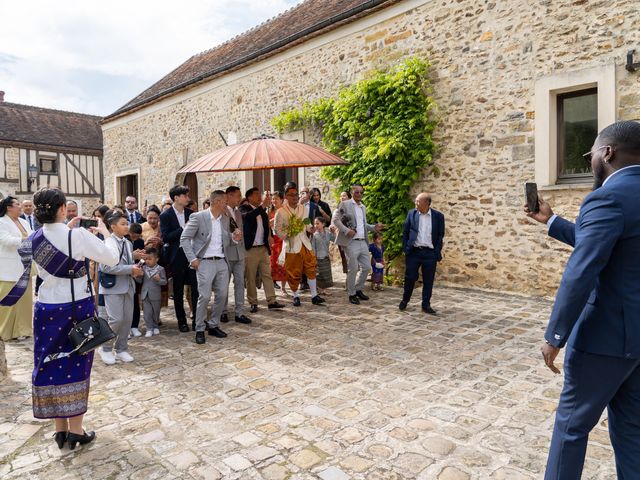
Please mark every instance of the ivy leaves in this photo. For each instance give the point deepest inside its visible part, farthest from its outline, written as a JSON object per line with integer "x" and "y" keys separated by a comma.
{"x": 382, "y": 125}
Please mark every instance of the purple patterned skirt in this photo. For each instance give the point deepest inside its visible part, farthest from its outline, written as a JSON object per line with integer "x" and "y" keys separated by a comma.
{"x": 60, "y": 386}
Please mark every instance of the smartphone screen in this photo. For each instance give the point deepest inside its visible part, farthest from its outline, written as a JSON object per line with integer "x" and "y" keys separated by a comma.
{"x": 87, "y": 222}
{"x": 531, "y": 196}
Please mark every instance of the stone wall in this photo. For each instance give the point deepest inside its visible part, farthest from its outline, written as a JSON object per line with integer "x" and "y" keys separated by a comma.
{"x": 486, "y": 57}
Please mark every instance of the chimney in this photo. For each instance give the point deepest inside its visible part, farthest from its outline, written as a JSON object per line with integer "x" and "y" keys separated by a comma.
{"x": 1, "y": 96}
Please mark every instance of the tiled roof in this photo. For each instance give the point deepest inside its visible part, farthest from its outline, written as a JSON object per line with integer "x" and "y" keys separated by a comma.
{"x": 300, "y": 23}
{"x": 43, "y": 126}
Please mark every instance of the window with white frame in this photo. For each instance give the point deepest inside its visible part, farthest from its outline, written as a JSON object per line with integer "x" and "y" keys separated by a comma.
{"x": 571, "y": 108}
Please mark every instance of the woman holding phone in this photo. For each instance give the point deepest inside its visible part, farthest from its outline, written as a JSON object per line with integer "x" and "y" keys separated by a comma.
{"x": 60, "y": 378}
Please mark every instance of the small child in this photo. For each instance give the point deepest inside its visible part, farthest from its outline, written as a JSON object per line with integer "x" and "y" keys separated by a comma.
{"x": 151, "y": 293}
{"x": 377, "y": 261}
{"x": 320, "y": 244}
{"x": 135, "y": 235}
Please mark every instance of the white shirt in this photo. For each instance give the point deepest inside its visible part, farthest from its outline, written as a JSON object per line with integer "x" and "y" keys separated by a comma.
{"x": 30, "y": 220}
{"x": 259, "y": 240}
{"x": 424, "y": 230}
{"x": 215, "y": 244}
{"x": 84, "y": 245}
{"x": 360, "y": 232}
{"x": 180, "y": 216}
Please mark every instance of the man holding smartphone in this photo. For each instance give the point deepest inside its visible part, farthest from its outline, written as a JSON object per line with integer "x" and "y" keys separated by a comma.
{"x": 596, "y": 309}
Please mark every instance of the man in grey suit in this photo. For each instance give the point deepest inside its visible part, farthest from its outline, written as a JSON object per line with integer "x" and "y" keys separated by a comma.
{"x": 350, "y": 218}
{"x": 204, "y": 240}
{"x": 235, "y": 254}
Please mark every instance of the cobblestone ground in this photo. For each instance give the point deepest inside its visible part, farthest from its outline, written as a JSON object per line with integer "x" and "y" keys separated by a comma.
{"x": 331, "y": 392}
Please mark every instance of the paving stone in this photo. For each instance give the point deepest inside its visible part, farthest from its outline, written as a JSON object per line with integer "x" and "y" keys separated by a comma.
{"x": 438, "y": 445}
{"x": 305, "y": 459}
{"x": 452, "y": 473}
{"x": 237, "y": 462}
{"x": 246, "y": 439}
{"x": 275, "y": 472}
{"x": 333, "y": 473}
{"x": 356, "y": 463}
{"x": 183, "y": 460}
{"x": 260, "y": 453}
{"x": 350, "y": 435}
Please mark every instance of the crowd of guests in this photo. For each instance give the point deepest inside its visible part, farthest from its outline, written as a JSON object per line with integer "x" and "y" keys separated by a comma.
{"x": 124, "y": 263}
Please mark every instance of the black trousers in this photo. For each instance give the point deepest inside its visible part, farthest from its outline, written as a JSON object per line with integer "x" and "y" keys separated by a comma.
{"x": 427, "y": 260}
{"x": 183, "y": 275}
{"x": 136, "y": 308}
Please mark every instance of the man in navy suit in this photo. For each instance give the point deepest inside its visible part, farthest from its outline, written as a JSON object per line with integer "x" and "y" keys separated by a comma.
{"x": 172, "y": 222}
{"x": 597, "y": 310}
{"x": 28, "y": 215}
{"x": 422, "y": 236}
{"x": 131, "y": 206}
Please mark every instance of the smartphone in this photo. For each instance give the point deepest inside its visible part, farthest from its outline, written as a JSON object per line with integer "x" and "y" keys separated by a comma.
{"x": 87, "y": 222}
{"x": 531, "y": 196}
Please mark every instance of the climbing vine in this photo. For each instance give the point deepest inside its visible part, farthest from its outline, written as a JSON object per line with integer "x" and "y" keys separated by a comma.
{"x": 382, "y": 126}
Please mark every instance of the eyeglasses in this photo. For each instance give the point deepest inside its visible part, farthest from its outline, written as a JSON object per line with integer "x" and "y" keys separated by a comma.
{"x": 589, "y": 155}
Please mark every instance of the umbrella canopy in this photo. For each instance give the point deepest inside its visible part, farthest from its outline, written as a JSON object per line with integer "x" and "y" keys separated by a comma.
{"x": 263, "y": 154}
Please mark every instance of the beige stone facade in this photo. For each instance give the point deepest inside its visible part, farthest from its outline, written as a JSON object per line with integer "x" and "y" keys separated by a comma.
{"x": 487, "y": 59}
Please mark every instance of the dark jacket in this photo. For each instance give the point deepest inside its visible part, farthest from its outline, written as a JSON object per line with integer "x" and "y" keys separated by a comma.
{"x": 137, "y": 216}
{"x": 250, "y": 217}
{"x": 171, "y": 232}
{"x": 412, "y": 226}
{"x": 598, "y": 303}
{"x": 36, "y": 224}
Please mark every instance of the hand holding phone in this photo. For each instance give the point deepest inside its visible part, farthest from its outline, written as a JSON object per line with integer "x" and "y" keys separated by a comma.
{"x": 88, "y": 223}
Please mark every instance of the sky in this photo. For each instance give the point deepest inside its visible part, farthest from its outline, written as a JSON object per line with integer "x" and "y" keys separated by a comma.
{"x": 93, "y": 57}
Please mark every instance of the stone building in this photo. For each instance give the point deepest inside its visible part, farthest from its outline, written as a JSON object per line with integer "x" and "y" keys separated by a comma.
{"x": 521, "y": 86}
{"x": 43, "y": 147}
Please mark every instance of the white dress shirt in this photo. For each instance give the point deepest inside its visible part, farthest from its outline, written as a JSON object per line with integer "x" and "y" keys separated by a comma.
{"x": 180, "y": 216}
{"x": 360, "y": 231}
{"x": 84, "y": 245}
{"x": 425, "y": 238}
{"x": 30, "y": 220}
{"x": 259, "y": 240}
{"x": 215, "y": 244}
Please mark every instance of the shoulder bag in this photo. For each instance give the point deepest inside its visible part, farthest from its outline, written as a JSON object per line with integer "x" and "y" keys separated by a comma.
{"x": 90, "y": 333}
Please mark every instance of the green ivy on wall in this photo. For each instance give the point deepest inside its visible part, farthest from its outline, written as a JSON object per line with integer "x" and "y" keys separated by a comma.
{"x": 382, "y": 126}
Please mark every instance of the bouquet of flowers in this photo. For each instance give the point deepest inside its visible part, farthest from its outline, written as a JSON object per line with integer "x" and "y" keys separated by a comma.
{"x": 296, "y": 225}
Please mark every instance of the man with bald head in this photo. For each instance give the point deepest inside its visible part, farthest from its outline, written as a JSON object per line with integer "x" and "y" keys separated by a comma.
{"x": 72, "y": 211}
{"x": 597, "y": 307}
{"x": 422, "y": 237}
{"x": 29, "y": 216}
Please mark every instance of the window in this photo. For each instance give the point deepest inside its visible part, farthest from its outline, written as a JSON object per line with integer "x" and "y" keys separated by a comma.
{"x": 570, "y": 107}
{"x": 577, "y": 129}
{"x": 48, "y": 165}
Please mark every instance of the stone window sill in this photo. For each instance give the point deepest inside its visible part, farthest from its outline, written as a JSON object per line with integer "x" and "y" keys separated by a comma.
{"x": 566, "y": 186}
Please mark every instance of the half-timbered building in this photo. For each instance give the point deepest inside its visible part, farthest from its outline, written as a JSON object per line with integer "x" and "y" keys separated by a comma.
{"x": 43, "y": 147}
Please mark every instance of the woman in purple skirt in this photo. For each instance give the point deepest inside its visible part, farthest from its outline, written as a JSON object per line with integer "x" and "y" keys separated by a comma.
{"x": 61, "y": 378}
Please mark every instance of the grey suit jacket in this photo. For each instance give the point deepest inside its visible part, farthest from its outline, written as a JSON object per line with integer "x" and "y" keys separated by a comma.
{"x": 344, "y": 218}
{"x": 196, "y": 235}
{"x": 236, "y": 251}
{"x": 124, "y": 281}
{"x": 151, "y": 288}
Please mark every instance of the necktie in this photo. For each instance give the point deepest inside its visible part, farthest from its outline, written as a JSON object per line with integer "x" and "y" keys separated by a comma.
{"x": 30, "y": 221}
{"x": 132, "y": 218}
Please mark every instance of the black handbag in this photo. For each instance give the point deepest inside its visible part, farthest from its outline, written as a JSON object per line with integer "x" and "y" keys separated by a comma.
{"x": 108, "y": 280}
{"x": 90, "y": 333}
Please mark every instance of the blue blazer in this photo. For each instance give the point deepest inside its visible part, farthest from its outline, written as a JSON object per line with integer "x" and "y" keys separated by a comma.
{"x": 171, "y": 231}
{"x": 137, "y": 216}
{"x": 412, "y": 225}
{"x": 597, "y": 307}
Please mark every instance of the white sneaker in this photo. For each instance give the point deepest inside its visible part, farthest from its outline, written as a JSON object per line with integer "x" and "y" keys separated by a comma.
{"x": 124, "y": 357}
{"x": 135, "y": 332}
{"x": 107, "y": 357}
{"x": 156, "y": 331}
{"x": 149, "y": 333}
